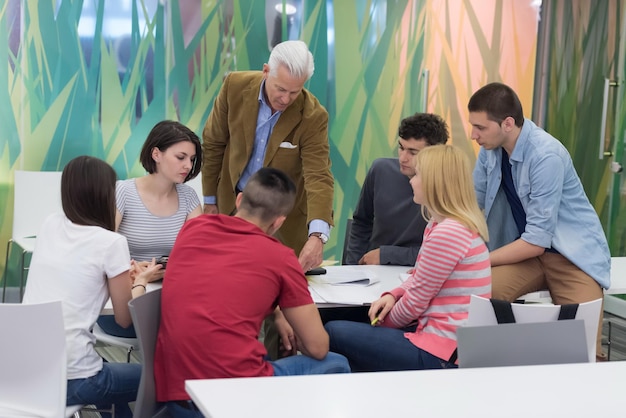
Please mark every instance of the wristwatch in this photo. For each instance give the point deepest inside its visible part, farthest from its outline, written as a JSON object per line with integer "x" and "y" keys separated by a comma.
{"x": 322, "y": 237}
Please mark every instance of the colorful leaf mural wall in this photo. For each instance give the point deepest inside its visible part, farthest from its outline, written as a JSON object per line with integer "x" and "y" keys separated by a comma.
{"x": 589, "y": 38}
{"x": 474, "y": 43}
{"x": 68, "y": 88}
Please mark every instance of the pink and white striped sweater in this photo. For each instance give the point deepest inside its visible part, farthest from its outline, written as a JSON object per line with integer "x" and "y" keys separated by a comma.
{"x": 452, "y": 264}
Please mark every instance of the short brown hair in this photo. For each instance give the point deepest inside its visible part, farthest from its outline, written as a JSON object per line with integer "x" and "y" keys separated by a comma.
{"x": 162, "y": 136}
{"x": 269, "y": 193}
{"x": 498, "y": 101}
{"x": 88, "y": 192}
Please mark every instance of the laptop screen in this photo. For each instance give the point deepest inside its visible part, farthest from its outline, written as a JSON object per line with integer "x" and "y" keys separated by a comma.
{"x": 554, "y": 342}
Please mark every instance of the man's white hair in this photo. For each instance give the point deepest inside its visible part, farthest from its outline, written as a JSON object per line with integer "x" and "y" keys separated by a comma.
{"x": 295, "y": 57}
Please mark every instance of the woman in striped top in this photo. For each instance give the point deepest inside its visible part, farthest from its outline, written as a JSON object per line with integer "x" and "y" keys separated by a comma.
{"x": 415, "y": 324}
{"x": 153, "y": 208}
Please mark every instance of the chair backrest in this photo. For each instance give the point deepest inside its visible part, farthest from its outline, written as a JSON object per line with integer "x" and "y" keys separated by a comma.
{"x": 37, "y": 194}
{"x": 146, "y": 313}
{"x": 513, "y": 344}
{"x": 346, "y": 239}
{"x": 196, "y": 184}
{"x": 481, "y": 313}
{"x": 33, "y": 361}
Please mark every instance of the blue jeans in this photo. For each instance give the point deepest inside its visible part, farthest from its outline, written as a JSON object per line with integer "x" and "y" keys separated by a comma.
{"x": 301, "y": 365}
{"x": 116, "y": 384}
{"x": 372, "y": 349}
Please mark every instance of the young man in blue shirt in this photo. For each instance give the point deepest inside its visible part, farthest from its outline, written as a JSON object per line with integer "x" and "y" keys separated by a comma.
{"x": 544, "y": 231}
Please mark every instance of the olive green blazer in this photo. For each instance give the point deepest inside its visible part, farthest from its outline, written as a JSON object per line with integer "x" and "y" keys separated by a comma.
{"x": 302, "y": 129}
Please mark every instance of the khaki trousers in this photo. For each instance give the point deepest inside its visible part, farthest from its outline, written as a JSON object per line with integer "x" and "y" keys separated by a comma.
{"x": 566, "y": 283}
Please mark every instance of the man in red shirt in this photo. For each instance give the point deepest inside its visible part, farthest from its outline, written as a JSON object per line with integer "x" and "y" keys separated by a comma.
{"x": 225, "y": 274}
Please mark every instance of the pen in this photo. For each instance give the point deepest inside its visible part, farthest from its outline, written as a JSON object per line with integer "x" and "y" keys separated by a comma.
{"x": 374, "y": 321}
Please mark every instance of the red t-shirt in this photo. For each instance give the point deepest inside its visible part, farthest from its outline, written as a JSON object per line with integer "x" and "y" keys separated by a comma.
{"x": 224, "y": 276}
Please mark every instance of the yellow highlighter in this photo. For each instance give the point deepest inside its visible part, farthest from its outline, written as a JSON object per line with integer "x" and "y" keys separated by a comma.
{"x": 374, "y": 321}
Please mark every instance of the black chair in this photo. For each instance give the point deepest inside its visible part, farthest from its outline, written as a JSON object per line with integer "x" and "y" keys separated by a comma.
{"x": 346, "y": 239}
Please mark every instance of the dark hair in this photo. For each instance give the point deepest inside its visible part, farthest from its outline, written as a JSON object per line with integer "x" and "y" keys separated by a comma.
{"x": 165, "y": 134}
{"x": 88, "y": 192}
{"x": 429, "y": 126}
{"x": 269, "y": 193}
{"x": 499, "y": 101}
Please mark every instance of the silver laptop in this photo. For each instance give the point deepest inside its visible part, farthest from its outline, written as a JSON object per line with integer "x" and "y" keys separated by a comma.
{"x": 553, "y": 342}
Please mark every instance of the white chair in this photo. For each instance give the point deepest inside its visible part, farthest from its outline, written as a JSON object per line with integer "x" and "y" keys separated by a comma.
{"x": 196, "y": 184}
{"x": 146, "y": 313}
{"x": 33, "y": 367}
{"x": 481, "y": 313}
{"x": 128, "y": 344}
{"x": 540, "y": 296}
{"x": 37, "y": 194}
{"x": 33, "y": 362}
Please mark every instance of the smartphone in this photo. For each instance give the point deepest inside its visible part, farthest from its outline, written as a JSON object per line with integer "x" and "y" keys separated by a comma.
{"x": 316, "y": 271}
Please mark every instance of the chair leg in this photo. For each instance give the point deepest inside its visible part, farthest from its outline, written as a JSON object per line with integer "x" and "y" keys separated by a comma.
{"x": 22, "y": 275}
{"x": 130, "y": 350}
{"x": 78, "y": 413}
{"x": 608, "y": 345}
{"x": 6, "y": 269}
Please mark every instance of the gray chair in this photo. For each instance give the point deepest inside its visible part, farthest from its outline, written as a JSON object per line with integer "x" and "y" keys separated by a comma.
{"x": 346, "y": 239}
{"x": 146, "y": 313}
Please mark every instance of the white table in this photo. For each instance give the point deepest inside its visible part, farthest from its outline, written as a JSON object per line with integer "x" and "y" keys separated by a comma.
{"x": 618, "y": 276}
{"x": 575, "y": 390}
{"x": 389, "y": 279}
{"x": 108, "y": 307}
{"x": 350, "y": 295}
{"x": 612, "y": 304}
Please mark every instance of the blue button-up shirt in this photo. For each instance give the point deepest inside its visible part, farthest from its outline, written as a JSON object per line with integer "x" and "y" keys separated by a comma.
{"x": 558, "y": 213}
{"x": 265, "y": 123}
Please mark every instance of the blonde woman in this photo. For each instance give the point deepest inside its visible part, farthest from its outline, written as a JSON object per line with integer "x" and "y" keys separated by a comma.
{"x": 414, "y": 325}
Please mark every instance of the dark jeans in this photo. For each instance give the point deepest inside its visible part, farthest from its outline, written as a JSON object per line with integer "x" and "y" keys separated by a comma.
{"x": 190, "y": 410}
{"x": 351, "y": 313}
{"x": 108, "y": 325}
{"x": 371, "y": 349}
{"x": 116, "y": 383}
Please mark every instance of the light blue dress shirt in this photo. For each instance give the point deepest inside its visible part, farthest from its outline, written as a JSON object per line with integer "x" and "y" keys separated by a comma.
{"x": 265, "y": 123}
{"x": 558, "y": 213}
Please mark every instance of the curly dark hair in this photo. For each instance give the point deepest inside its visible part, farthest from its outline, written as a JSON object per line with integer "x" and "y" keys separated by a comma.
{"x": 428, "y": 126}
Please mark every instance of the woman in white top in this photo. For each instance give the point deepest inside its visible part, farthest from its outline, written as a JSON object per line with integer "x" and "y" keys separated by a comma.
{"x": 153, "y": 208}
{"x": 81, "y": 261}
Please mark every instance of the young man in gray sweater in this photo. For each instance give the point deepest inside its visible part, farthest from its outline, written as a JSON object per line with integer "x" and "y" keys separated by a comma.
{"x": 387, "y": 226}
